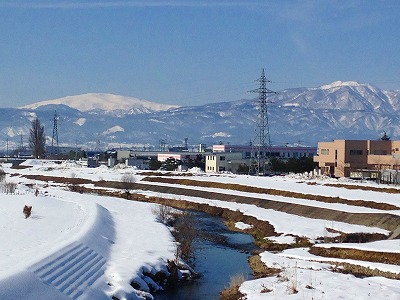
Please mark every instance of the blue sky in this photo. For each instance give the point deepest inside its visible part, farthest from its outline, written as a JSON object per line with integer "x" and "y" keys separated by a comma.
{"x": 192, "y": 52}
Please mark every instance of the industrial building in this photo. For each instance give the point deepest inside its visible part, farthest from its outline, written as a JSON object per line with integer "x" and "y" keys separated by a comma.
{"x": 358, "y": 158}
{"x": 230, "y": 157}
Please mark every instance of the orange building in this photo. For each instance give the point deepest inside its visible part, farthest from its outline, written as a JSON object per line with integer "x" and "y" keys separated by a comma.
{"x": 345, "y": 158}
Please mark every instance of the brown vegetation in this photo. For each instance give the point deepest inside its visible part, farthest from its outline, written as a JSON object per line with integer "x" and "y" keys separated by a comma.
{"x": 360, "y": 271}
{"x": 232, "y": 292}
{"x": 365, "y": 188}
{"x": 172, "y": 174}
{"x": 252, "y": 189}
{"x": 259, "y": 269}
{"x": 357, "y": 254}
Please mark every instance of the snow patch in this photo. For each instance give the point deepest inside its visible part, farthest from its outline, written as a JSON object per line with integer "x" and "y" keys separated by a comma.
{"x": 339, "y": 84}
{"x": 106, "y": 102}
{"x": 291, "y": 105}
{"x": 283, "y": 239}
{"x": 80, "y": 121}
{"x": 157, "y": 121}
{"x": 220, "y": 134}
{"x": 114, "y": 129}
{"x": 243, "y": 226}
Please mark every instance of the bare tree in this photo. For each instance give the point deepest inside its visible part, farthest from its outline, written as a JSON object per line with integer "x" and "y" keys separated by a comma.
{"x": 185, "y": 234}
{"x": 37, "y": 138}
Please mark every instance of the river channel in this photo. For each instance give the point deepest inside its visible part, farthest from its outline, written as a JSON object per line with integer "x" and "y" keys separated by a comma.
{"x": 219, "y": 255}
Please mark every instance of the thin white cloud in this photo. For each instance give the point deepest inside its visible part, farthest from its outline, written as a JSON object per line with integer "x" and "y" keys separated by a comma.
{"x": 300, "y": 43}
{"x": 134, "y": 3}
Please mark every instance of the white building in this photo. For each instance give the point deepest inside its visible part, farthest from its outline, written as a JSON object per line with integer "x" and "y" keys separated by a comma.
{"x": 223, "y": 162}
{"x": 282, "y": 152}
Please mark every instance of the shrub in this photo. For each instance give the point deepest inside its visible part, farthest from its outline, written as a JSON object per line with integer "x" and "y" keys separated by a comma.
{"x": 163, "y": 213}
{"x": 8, "y": 187}
{"x": 185, "y": 233}
{"x": 2, "y": 175}
{"x": 236, "y": 280}
{"x": 127, "y": 181}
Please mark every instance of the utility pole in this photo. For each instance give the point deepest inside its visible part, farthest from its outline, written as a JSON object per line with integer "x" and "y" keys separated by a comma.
{"x": 260, "y": 161}
{"x": 54, "y": 139}
{"x": 7, "y": 151}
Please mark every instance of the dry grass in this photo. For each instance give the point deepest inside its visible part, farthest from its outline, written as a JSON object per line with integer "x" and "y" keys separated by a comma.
{"x": 236, "y": 280}
{"x": 259, "y": 269}
{"x": 171, "y": 174}
{"x": 360, "y": 271}
{"x": 356, "y": 254}
{"x": 19, "y": 167}
{"x": 365, "y": 188}
{"x": 251, "y": 189}
{"x": 232, "y": 292}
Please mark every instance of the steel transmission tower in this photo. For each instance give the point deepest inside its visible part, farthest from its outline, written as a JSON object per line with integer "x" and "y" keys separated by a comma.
{"x": 54, "y": 138}
{"x": 261, "y": 145}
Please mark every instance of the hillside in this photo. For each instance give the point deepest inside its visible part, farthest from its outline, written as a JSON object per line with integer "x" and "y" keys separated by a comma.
{"x": 340, "y": 110}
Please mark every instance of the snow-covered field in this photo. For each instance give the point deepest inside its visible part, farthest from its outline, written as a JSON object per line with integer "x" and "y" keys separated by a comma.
{"x": 83, "y": 246}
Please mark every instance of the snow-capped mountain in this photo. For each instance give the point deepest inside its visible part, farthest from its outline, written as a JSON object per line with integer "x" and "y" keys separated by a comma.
{"x": 104, "y": 102}
{"x": 340, "y": 110}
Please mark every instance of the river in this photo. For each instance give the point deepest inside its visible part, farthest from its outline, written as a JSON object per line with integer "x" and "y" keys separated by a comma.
{"x": 218, "y": 256}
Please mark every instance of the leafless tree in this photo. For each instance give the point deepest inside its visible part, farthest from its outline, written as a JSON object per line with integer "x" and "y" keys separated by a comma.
{"x": 185, "y": 234}
{"x": 37, "y": 138}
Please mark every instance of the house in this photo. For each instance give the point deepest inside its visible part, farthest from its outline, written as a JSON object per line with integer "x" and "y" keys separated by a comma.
{"x": 358, "y": 158}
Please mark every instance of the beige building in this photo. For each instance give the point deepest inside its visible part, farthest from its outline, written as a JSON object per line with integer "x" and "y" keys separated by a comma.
{"x": 223, "y": 162}
{"x": 345, "y": 158}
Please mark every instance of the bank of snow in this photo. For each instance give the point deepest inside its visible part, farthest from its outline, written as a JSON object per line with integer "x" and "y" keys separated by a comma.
{"x": 304, "y": 279}
{"x": 78, "y": 246}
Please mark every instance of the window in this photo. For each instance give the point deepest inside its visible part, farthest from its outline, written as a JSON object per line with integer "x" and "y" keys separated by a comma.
{"x": 324, "y": 151}
{"x": 356, "y": 152}
{"x": 380, "y": 152}
{"x": 222, "y": 158}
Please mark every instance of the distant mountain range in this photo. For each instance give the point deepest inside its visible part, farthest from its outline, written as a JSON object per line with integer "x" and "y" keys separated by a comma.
{"x": 341, "y": 110}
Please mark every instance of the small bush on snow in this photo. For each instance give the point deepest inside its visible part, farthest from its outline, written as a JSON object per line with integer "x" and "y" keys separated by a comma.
{"x": 2, "y": 175}
{"x": 163, "y": 213}
{"x": 8, "y": 187}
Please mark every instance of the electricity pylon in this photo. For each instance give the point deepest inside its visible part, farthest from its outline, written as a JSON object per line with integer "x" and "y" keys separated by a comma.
{"x": 54, "y": 138}
{"x": 260, "y": 161}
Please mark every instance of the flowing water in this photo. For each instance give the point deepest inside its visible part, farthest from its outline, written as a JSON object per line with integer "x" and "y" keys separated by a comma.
{"x": 219, "y": 255}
